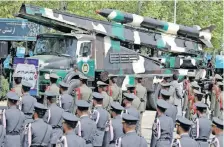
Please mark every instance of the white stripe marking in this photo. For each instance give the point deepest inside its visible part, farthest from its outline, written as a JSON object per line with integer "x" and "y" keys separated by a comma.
{"x": 173, "y": 28}
{"x": 138, "y": 66}
{"x": 112, "y": 15}
{"x": 136, "y": 37}
{"x": 107, "y": 45}
{"x": 137, "y": 20}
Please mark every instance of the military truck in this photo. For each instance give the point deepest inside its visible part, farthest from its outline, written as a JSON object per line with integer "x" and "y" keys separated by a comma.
{"x": 99, "y": 48}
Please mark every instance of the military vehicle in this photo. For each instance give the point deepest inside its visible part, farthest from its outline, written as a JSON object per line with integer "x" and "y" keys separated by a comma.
{"x": 100, "y": 47}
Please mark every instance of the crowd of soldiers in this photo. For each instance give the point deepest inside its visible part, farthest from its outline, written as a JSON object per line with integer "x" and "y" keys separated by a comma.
{"x": 106, "y": 116}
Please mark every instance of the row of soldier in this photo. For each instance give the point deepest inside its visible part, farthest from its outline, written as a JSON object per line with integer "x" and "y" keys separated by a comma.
{"x": 131, "y": 103}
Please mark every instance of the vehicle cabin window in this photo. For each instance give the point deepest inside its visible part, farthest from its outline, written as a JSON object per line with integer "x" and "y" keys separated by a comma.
{"x": 85, "y": 49}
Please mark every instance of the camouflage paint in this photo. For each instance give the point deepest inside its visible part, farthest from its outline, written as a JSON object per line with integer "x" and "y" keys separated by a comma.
{"x": 118, "y": 31}
{"x": 161, "y": 44}
{"x": 118, "y": 17}
{"x": 172, "y": 61}
{"x": 91, "y": 66}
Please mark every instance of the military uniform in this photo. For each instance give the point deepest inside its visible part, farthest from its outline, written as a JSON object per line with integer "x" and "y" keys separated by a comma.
{"x": 17, "y": 87}
{"x": 70, "y": 139}
{"x": 163, "y": 127}
{"x": 130, "y": 139}
{"x": 215, "y": 107}
{"x": 66, "y": 101}
{"x": 38, "y": 133}
{"x": 54, "y": 118}
{"x": 101, "y": 118}
{"x": 219, "y": 101}
{"x": 2, "y": 137}
{"x": 13, "y": 120}
{"x": 184, "y": 140}
{"x": 201, "y": 129}
{"x": 53, "y": 87}
{"x": 116, "y": 128}
{"x": 132, "y": 110}
{"x": 107, "y": 99}
{"x": 136, "y": 103}
{"x": 172, "y": 110}
{"x": 217, "y": 141}
{"x": 86, "y": 127}
{"x": 84, "y": 92}
{"x": 114, "y": 91}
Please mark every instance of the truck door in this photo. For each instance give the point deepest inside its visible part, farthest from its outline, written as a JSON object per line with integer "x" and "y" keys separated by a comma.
{"x": 85, "y": 60}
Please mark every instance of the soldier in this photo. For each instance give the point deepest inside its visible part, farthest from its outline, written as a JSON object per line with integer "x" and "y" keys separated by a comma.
{"x": 141, "y": 93}
{"x": 215, "y": 95}
{"x": 86, "y": 127}
{"x": 162, "y": 127}
{"x": 54, "y": 117}
{"x": 3, "y": 135}
{"x": 83, "y": 92}
{"x": 172, "y": 110}
{"x": 220, "y": 100}
{"x": 136, "y": 102}
{"x": 116, "y": 128}
{"x": 70, "y": 139}
{"x": 65, "y": 100}
{"x": 130, "y": 139}
{"x": 201, "y": 128}
{"x": 113, "y": 90}
{"x": 101, "y": 118}
{"x": 217, "y": 130}
{"x": 166, "y": 79}
{"x": 188, "y": 94}
{"x": 12, "y": 120}
{"x": 177, "y": 94}
{"x": 102, "y": 88}
{"x": 183, "y": 126}
{"x": 38, "y": 133}
{"x": 18, "y": 86}
{"x": 130, "y": 109}
{"x": 27, "y": 103}
{"x": 53, "y": 87}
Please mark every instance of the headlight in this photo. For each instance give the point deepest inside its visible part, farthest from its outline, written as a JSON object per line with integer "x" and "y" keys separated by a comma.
{"x": 47, "y": 76}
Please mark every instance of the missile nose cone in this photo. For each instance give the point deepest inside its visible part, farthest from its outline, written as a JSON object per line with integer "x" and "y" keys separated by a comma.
{"x": 97, "y": 11}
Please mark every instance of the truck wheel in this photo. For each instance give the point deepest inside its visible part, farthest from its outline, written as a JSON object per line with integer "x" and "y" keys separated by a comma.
{"x": 74, "y": 83}
{"x": 151, "y": 102}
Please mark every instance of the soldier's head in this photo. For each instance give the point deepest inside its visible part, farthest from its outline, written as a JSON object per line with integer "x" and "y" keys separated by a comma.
{"x": 75, "y": 68}
{"x": 97, "y": 98}
{"x": 112, "y": 79}
{"x": 167, "y": 78}
{"x": 69, "y": 122}
{"x": 101, "y": 86}
{"x": 191, "y": 76}
{"x": 51, "y": 97}
{"x": 218, "y": 78}
{"x": 138, "y": 79}
{"x": 165, "y": 94}
{"x": 217, "y": 126}
{"x": 17, "y": 78}
{"x": 198, "y": 95}
{"x": 130, "y": 88}
{"x": 116, "y": 109}
{"x": 63, "y": 87}
{"x": 53, "y": 78}
{"x": 201, "y": 108}
{"x": 175, "y": 76}
{"x": 13, "y": 99}
{"x": 83, "y": 79}
{"x": 26, "y": 87}
{"x": 82, "y": 107}
{"x": 128, "y": 98}
{"x": 165, "y": 86}
{"x": 129, "y": 122}
{"x": 39, "y": 111}
{"x": 220, "y": 85}
{"x": 183, "y": 125}
{"x": 162, "y": 105}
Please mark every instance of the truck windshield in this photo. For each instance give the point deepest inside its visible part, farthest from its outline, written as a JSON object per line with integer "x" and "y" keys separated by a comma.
{"x": 53, "y": 45}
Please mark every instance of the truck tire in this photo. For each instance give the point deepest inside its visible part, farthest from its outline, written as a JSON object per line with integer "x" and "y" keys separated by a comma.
{"x": 151, "y": 102}
{"x": 73, "y": 83}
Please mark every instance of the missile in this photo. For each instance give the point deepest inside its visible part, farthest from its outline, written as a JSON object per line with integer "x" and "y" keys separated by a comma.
{"x": 150, "y": 23}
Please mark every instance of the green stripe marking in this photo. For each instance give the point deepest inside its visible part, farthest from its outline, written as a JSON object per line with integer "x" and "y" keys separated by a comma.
{"x": 131, "y": 79}
{"x": 161, "y": 44}
{"x": 118, "y": 31}
{"x": 115, "y": 45}
{"x": 119, "y": 16}
{"x": 165, "y": 26}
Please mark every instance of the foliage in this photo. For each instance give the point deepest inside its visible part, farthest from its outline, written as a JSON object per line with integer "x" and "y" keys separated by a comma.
{"x": 202, "y": 13}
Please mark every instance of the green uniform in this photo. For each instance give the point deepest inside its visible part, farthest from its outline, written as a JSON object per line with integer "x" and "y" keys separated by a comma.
{"x": 141, "y": 93}
{"x": 115, "y": 92}
{"x": 85, "y": 93}
{"x": 18, "y": 89}
{"x": 54, "y": 88}
{"x": 107, "y": 100}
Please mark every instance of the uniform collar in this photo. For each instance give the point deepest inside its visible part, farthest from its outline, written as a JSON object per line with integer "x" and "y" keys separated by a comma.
{"x": 39, "y": 119}
{"x": 98, "y": 106}
{"x": 13, "y": 107}
{"x": 83, "y": 116}
{"x": 130, "y": 132}
{"x": 117, "y": 117}
{"x": 70, "y": 132}
{"x": 26, "y": 94}
{"x": 184, "y": 135}
{"x": 65, "y": 92}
